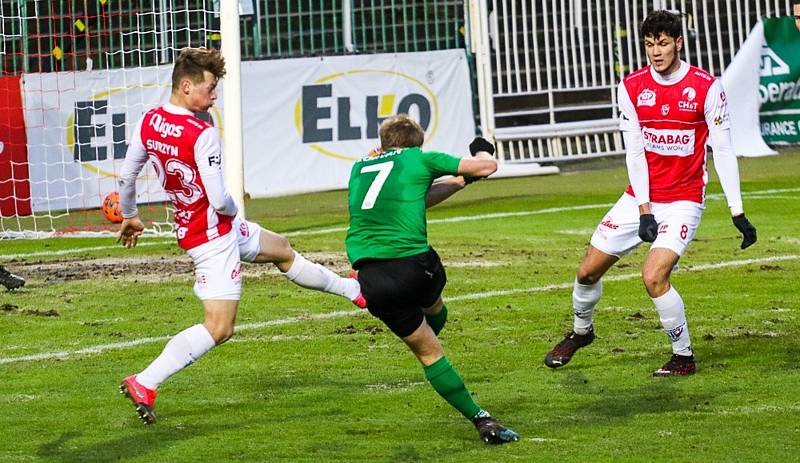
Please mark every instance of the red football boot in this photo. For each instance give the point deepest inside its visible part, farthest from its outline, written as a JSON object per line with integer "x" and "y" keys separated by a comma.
{"x": 144, "y": 399}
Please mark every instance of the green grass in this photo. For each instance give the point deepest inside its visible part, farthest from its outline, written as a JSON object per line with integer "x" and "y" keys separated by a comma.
{"x": 344, "y": 389}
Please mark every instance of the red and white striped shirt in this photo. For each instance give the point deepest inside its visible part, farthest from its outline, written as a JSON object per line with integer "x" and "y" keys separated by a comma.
{"x": 187, "y": 156}
{"x": 674, "y": 116}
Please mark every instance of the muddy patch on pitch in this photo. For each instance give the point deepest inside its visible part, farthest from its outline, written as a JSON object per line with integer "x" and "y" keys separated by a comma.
{"x": 141, "y": 269}
{"x": 149, "y": 269}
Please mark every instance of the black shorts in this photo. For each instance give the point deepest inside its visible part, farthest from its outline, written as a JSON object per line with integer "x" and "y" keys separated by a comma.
{"x": 398, "y": 289}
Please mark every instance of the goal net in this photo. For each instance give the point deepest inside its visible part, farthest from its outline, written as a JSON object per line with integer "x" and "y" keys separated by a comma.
{"x": 74, "y": 79}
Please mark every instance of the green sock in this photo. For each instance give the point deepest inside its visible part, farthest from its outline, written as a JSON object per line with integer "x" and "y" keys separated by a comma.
{"x": 437, "y": 321}
{"x": 446, "y": 381}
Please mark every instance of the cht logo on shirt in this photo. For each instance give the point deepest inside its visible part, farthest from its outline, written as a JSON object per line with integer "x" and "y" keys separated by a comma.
{"x": 164, "y": 128}
{"x": 688, "y": 103}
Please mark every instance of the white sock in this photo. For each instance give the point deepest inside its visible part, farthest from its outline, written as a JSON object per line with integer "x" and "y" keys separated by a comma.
{"x": 314, "y": 276}
{"x": 181, "y": 351}
{"x": 584, "y": 300}
{"x": 673, "y": 318}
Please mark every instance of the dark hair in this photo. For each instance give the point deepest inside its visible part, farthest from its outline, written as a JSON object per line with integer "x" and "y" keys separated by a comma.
{"x": 659, "y": 22}
{"x": 400, "y": 131}
{"x": 191, "y": 63}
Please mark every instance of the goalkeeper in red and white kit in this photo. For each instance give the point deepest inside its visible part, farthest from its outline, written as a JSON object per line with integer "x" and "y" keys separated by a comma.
{"x": 186, "y": 154}
{"x": 669, "y": 110}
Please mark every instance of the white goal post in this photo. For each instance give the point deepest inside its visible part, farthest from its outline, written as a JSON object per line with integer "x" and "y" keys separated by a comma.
{"x": 233, "y": 135}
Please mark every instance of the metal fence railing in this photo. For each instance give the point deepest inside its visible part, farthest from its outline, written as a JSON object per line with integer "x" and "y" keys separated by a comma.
{"x": 546, "y": 78}
{"x": 65, "y": 35}
{"x": 550, "y": 69}
{"x": 281, "y": 29}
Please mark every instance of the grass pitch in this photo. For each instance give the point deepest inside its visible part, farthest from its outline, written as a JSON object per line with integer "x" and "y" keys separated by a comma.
{"x": 308, "y": 378}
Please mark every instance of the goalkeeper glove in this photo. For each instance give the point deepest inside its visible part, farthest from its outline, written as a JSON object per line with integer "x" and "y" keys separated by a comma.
{"x": 747, "y": 229}
{"x": 480, "y": 144}
{"x": 648, "y": 228}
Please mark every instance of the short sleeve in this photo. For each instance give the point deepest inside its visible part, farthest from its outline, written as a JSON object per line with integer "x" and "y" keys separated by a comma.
{"x": 440, "y": 163}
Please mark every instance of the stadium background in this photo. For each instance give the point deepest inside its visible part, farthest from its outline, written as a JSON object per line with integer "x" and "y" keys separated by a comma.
{"x": 306, "y": 378}
{"x": 543, "y": 74}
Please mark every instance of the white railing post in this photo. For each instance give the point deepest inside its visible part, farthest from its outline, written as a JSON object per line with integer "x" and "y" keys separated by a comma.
{"x": 347, "y": 25}
{"x": 479, "y": 33}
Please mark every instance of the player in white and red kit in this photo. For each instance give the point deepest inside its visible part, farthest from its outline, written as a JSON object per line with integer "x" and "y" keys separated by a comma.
{"x": 187, "y": 155}
{"x": 669, "y": 110}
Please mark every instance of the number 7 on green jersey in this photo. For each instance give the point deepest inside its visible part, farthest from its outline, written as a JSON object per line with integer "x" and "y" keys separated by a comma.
{"x": 383, "y": 169}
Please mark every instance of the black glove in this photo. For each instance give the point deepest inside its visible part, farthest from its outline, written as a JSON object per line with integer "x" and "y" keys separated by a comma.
{"x": 648, "y": 228}
{"x": 747, "y": 229}
{"x": 480, "y": 144}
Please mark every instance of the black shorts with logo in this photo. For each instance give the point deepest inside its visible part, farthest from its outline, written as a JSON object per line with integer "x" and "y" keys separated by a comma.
{"x": 397, "y": 290}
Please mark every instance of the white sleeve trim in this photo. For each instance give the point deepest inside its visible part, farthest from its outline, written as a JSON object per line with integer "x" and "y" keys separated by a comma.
{"x": 135, "y": 159}
{"x": 727, "y": 167}
{"x": 208, "y": 157}
{"x": 715, "y": 109}
{"x": 628, "y": 119}
{"x": 719, "y": 137}
{"x": 638, "y": 171}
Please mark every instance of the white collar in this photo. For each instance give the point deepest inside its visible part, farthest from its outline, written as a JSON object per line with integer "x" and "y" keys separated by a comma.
{"x": 673, "y": 78}
{"x": 175, "y": 109}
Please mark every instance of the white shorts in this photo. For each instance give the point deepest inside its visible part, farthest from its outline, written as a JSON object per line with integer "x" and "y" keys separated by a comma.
{"x": 618, "y": 232}
{"x": 217, "y": 264}
{"x": 248, "y": 235}
{"x": 217, "y": 269}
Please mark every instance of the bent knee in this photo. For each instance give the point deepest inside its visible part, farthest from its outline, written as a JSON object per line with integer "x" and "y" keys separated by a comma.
{"x": 221, "y": 333}
{"x": 274, "y": 248}
{"x": 656, "y": 283}
{"x": 588, "y": 276}
{"x": 283, "y": 250}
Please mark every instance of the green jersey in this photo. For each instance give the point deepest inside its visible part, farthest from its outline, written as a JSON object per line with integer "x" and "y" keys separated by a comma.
{"x": 387, "y": 202}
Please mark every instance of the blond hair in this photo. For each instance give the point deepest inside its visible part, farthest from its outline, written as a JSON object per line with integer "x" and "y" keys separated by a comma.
{"x": 192, "y": 62}
{"x": 400, "y": 131}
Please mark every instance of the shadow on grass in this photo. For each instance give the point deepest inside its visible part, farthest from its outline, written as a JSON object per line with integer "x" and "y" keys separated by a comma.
{"x": 725, "y": 366}
{"x": 133, "y": 442}
{"x": 661, "y": 396}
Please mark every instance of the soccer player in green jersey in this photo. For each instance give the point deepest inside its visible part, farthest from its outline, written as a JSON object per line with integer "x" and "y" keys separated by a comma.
{"x": 400, "y": 274}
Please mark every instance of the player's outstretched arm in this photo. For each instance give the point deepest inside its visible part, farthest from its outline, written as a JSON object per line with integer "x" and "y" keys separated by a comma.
{"x": 444, "y": 189}
{"x": 482, "y": 163}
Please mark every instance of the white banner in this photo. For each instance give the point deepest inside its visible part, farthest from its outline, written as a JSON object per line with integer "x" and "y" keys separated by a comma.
{"x": 78, "y": 124}
{"x": 307, "y": 120}
{"x": 740, "y": 82}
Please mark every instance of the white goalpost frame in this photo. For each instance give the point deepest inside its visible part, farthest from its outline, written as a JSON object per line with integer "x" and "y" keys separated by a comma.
{"x": 233, "y": 150}
{"x": 134, "y": 84}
